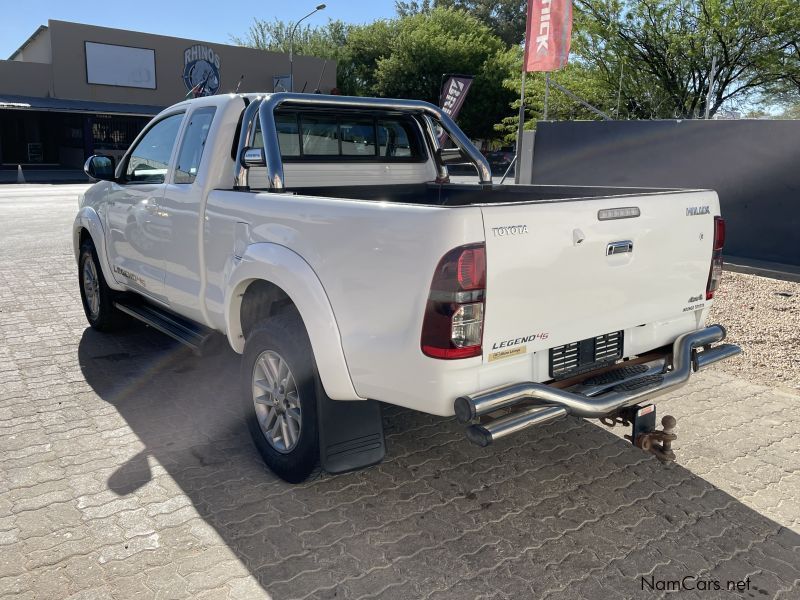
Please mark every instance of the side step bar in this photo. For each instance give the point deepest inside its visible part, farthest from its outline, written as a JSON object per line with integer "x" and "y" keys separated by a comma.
{"x": 533, "y": 403}
{"x": 188, "y": 333}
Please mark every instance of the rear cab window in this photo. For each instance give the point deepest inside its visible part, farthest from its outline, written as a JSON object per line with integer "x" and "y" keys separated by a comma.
{"x": 322, "y": 136}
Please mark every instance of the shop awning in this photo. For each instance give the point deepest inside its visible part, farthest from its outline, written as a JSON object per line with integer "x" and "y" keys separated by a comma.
{"x": 11, "y": 102}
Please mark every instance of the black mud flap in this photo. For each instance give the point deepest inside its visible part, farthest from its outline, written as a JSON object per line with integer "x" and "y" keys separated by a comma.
{"x": 350, "y": 434}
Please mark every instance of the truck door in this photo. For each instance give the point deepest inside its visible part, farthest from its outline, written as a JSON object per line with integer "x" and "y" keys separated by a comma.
{"x": 136, "y": 225}
{"x": 181, "y": 207}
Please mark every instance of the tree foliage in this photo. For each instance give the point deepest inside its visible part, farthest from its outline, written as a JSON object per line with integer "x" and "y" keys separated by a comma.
{"x": 577, "y": 77}
{"x": 406, "y": 58}
{"x": 427, "y": 45}
{"x": 636, "y": 59}
{"x": 668, "y": 46}
{"x": 505, "y": 18}
{"x": 326, "y": 41}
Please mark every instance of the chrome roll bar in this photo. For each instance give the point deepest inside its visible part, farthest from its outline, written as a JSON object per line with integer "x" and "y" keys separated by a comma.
{"x": 246, "y": 137}
{"x": 262, "y": 110}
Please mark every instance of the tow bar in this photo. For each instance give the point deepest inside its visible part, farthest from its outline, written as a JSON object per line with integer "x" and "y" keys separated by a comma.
{"x": 614, "y": 396}
{"x": 644, "y": 434}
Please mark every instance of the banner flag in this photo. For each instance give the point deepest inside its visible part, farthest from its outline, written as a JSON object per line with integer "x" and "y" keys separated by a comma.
{"x": 454, "y": 91}
{"x": 547, "y": 34}
{"x": 452, "y": 97}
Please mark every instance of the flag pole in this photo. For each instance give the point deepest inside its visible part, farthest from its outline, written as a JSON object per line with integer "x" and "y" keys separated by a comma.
{"x": 546, "y": 95}
{"x": 521, "y": 125}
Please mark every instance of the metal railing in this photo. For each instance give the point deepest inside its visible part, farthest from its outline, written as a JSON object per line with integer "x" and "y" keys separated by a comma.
{"x": 261, "y": 111}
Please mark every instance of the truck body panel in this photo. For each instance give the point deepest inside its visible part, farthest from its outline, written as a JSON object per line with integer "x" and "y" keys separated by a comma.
{"x": 553, "y": 276}
{"x": 367, "y": 237}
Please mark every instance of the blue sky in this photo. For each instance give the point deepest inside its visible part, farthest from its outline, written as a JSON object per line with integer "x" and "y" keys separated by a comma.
{"x": 208, "y": 22}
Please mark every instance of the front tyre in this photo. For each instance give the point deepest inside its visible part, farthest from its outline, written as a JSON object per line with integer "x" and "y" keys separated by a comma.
{"x": 280, "y": 386}
{"x": 96, "y": 296}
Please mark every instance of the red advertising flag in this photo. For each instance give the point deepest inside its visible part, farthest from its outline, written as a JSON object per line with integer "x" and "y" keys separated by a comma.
{"x": 547, "y": 34}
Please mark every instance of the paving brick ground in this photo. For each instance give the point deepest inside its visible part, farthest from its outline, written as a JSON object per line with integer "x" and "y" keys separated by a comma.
{"x": 126, "y": 472}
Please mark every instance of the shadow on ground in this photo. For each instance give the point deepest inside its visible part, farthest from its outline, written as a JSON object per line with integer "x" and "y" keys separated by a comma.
{"x": 568, "y": 510}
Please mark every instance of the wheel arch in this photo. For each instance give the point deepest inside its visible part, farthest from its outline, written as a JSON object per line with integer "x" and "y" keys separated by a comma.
{"x": 87, "y": 224}
{"x": 271, "y": 278}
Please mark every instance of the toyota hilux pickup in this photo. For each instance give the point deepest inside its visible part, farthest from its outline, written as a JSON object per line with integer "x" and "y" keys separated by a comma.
{"x": 321, "y": 236}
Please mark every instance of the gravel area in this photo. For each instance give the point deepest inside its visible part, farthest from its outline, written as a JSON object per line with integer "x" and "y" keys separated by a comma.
{"x": 763, "y": 316}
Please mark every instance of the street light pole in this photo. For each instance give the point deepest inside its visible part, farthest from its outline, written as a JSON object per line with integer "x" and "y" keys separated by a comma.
{"x": 291, "y": 45}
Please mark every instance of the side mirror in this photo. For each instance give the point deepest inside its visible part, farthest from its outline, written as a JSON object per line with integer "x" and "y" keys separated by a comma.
{"x": 99, "y": 167}
{"x": 254, "y": 157}
{"x": 453, "y": 156}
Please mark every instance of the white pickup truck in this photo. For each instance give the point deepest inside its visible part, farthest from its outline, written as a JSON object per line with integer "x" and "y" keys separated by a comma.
{"x": 322, "y": 237}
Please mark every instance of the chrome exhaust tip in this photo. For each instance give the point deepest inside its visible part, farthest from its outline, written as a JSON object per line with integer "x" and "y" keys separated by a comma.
{"x": 708, "y": 357}
{"x": 468, "y": 408}
{"x": 464, "y": 409}
{"x": 485, "y": 433}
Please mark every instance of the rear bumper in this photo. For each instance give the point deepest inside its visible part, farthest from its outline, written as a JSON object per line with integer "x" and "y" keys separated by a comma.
{"x": 533, "y": 403}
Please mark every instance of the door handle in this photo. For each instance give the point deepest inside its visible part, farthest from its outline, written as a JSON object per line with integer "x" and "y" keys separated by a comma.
{"x": 620, "y": 247}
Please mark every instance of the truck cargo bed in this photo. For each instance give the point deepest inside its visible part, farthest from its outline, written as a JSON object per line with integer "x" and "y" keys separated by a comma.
{"x": 431, "y": 194}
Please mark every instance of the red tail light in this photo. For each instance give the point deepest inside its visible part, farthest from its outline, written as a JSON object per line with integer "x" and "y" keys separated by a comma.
{"x": 453, "y": 323}
{"x": 715, "y": 273}
{"x": 719, "y": 233}
{"x": 472, "y": 268}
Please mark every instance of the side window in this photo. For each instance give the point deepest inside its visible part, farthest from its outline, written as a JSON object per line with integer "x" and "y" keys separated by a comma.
{"x": 194, "y": 141}
{"x": 149, "y": 160}
{"x": 394, "y": 139}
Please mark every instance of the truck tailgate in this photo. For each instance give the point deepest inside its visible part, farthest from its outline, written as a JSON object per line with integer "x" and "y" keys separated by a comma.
{"x": 557, "y": 273}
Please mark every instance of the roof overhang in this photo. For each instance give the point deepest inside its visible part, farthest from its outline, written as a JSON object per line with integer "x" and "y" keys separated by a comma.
{"x": 12, "y": 102}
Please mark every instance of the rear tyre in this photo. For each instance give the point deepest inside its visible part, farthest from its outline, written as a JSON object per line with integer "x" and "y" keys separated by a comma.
{"x": 279, "y": 390}
{"x": 96, "y": 296}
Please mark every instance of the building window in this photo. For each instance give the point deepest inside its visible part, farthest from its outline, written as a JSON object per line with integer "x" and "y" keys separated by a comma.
{"x": 115, "y": 133}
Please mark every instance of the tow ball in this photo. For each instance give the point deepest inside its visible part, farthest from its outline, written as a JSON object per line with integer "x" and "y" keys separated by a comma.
{"x": 644, "y": 434}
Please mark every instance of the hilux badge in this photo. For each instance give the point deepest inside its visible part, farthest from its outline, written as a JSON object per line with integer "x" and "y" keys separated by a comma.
{"x": 693, "y": 211}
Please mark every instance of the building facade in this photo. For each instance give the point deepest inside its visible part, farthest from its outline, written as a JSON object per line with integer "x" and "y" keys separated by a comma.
{"x": 74, "y": 90}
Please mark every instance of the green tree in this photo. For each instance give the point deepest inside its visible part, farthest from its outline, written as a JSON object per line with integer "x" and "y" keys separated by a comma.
{"x": 576, "y": 76}
{"x": 506, "y": 18}
{"x": 328, "y": 41}
{"x": 427, "y": 45}
{"x": 322, "y": 41}
{"x": 667, "y": 48}
{"x": 365, "y": 47}
{"x": 406, "y": 58}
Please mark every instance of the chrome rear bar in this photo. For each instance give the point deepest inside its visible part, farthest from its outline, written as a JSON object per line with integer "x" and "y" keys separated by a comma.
{"x": 686, "y": 359}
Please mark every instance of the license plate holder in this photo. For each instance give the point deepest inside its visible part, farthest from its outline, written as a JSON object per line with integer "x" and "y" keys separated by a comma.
{"x": 585, "y": 355}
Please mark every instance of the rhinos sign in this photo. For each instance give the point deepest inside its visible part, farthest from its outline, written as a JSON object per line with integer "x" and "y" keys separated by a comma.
{"x": 201, "y": 70}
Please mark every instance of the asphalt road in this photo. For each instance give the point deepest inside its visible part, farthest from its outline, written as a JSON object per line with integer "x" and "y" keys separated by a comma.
{"x": 126, "y": 472}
